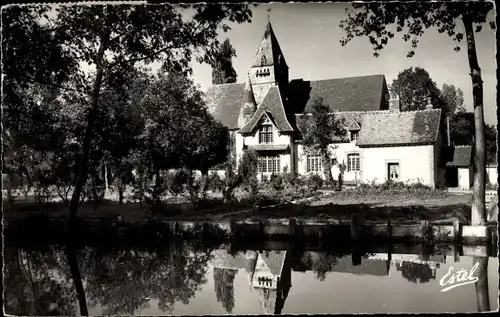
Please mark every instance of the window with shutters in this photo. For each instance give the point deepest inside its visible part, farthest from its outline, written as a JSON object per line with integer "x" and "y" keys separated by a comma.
{"x": 353, "y": 162}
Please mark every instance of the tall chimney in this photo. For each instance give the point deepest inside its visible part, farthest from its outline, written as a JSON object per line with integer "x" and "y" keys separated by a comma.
{"x": 394, "y": 105}
{"x": 429, "y": 104}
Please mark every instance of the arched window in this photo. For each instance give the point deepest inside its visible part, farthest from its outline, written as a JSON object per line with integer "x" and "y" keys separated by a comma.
{"x": 263, "y": 60}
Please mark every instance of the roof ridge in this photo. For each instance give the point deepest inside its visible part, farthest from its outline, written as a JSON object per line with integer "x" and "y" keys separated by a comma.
{"x": 359, "y": 76}
{"x": 225, "y": 84}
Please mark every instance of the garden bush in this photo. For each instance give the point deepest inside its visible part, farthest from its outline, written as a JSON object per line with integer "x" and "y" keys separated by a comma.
{"x": 314, "y": 181}
{"x": 276, "y": 181}
{"x": 215, "y": 183}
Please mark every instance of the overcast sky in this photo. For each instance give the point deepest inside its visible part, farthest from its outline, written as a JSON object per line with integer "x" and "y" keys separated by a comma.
{"x": 309, "y": 36}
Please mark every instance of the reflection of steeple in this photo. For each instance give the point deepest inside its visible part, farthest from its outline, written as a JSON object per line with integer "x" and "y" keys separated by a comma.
{"x": 272, "y": 280}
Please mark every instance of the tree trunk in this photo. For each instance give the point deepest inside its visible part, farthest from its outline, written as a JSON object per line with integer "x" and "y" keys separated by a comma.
{"x": 482, "y": 293}
{"x": 92, "y": 116}
{"x": 77, "y": 279}
{"x": 327, "y": 170}
{"x": 121, "y": 190}
{"x": 478, "y": 200}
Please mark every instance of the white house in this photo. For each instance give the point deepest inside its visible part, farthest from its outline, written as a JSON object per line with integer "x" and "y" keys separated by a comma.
{"x": 382, "y": 142}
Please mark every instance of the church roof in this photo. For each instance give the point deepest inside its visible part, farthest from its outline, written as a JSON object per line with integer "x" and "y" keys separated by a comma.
{"x": 269, "y": 51}
{"x": 274, "y": 107}
{"x": 342, "y": 94}
{"x": 399, "y": 128}
{"x": 362, "y": 93}
{"x": 224, "y": 103}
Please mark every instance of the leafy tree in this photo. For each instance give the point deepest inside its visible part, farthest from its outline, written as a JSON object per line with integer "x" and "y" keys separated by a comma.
{"x": 109, "y": 37}
{"x": 222, "y": 66}
{"x": 320, "y": 131}
{"x": 462, "y": 128}
{"x": 462, "y": 132}
{"x": 413, "y": 18}
{"x": 414, "y": 86}
{"x": 453, "y": 98}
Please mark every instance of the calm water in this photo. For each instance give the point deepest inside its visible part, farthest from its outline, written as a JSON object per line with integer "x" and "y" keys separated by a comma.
{"x": 184, "y": 280}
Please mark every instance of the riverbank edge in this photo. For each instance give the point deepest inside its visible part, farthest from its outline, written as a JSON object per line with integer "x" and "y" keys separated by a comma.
{"x": 276, "y": 229}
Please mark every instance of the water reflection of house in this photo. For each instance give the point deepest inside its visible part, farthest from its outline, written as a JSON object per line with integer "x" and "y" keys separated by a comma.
{"x": 311, "y": 260}
{"x": 431, "y": 262}
{"x": 269, "y": 274}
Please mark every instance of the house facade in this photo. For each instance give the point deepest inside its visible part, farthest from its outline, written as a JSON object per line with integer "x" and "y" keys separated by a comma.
{"x": 382, "y": 142}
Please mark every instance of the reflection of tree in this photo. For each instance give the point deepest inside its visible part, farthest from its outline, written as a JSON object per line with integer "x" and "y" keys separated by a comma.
{"x": 482, "y": 294}
{"x": 77, "y": 279}
{"x": 123, "y": 281}
{"x": 36, "y": 283}
{"x": 224, "y": 287}
{"x": 416, "y": 272}
{"x": 321, "y": 263}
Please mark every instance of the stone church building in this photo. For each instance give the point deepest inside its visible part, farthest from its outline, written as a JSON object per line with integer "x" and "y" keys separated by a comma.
{"x": 382, "y": 142}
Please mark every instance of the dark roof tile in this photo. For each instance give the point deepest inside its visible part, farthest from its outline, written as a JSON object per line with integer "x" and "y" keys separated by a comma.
{"x": 224, "y": 103}
{"x": 399, "y": 128}
{"x": 361, "y": 93}
{"x": 274, "y": 107}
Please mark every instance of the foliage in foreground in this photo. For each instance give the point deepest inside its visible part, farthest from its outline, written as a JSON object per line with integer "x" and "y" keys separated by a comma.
{"x": 391, "y": 190}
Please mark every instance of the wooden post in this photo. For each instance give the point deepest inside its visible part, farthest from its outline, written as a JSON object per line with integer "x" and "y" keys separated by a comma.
{"x": 355, "y": 227}
{"x": 457, "y": 231}
{"x": 232, "y": 228}
{"x": 456, "y": 253}
{"x": 320, "y": 238}
{"x": 356, "y": 254}
{"x": 389, "y": 230}
{"x": 424, "y": 227}
{"x": 177, "y": 229}
{"x": 291, "y": 227}
{"x": 261, "y": 228}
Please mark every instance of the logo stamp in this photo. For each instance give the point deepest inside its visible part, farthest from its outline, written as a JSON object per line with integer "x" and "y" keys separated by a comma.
{"x": 454, "y": 278}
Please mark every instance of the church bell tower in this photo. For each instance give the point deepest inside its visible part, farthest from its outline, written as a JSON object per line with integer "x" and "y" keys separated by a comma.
{"x": 269, "y": 67}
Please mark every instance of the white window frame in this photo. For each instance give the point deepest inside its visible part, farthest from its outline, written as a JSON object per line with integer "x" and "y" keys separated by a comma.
{"x": 314, "y": 163}
{"x": 353, "y": 159}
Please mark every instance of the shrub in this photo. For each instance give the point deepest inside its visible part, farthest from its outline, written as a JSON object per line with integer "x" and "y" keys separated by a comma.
{"x": 247, "y": 169}
{"x": 176, "y": 182}
{"x": 215, "y": 183}
{"x": 231, "y": 182}
{"x": 276, "y": 181}
{"x": 314, "y": 182}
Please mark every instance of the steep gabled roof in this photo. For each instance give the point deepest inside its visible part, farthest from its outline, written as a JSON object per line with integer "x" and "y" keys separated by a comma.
{"x": 353, "y": 126}
{"x": 224, "y": 103}
{"x": 400, "y": 128}
{"x": 274, "y": 260}
{"x": 362, "y": 93}
{"x": 272, "y": 105}
{"x": 269, "y": 50}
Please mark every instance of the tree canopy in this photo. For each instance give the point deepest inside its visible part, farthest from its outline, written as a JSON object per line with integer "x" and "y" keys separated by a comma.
{"x": 375, "y": 20}
{"x": 222, "y": 67}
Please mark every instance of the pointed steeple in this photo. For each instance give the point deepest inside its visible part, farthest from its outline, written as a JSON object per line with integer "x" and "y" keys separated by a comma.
{"x": 249, "y": 105}
{"x": 269, "y": 51}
